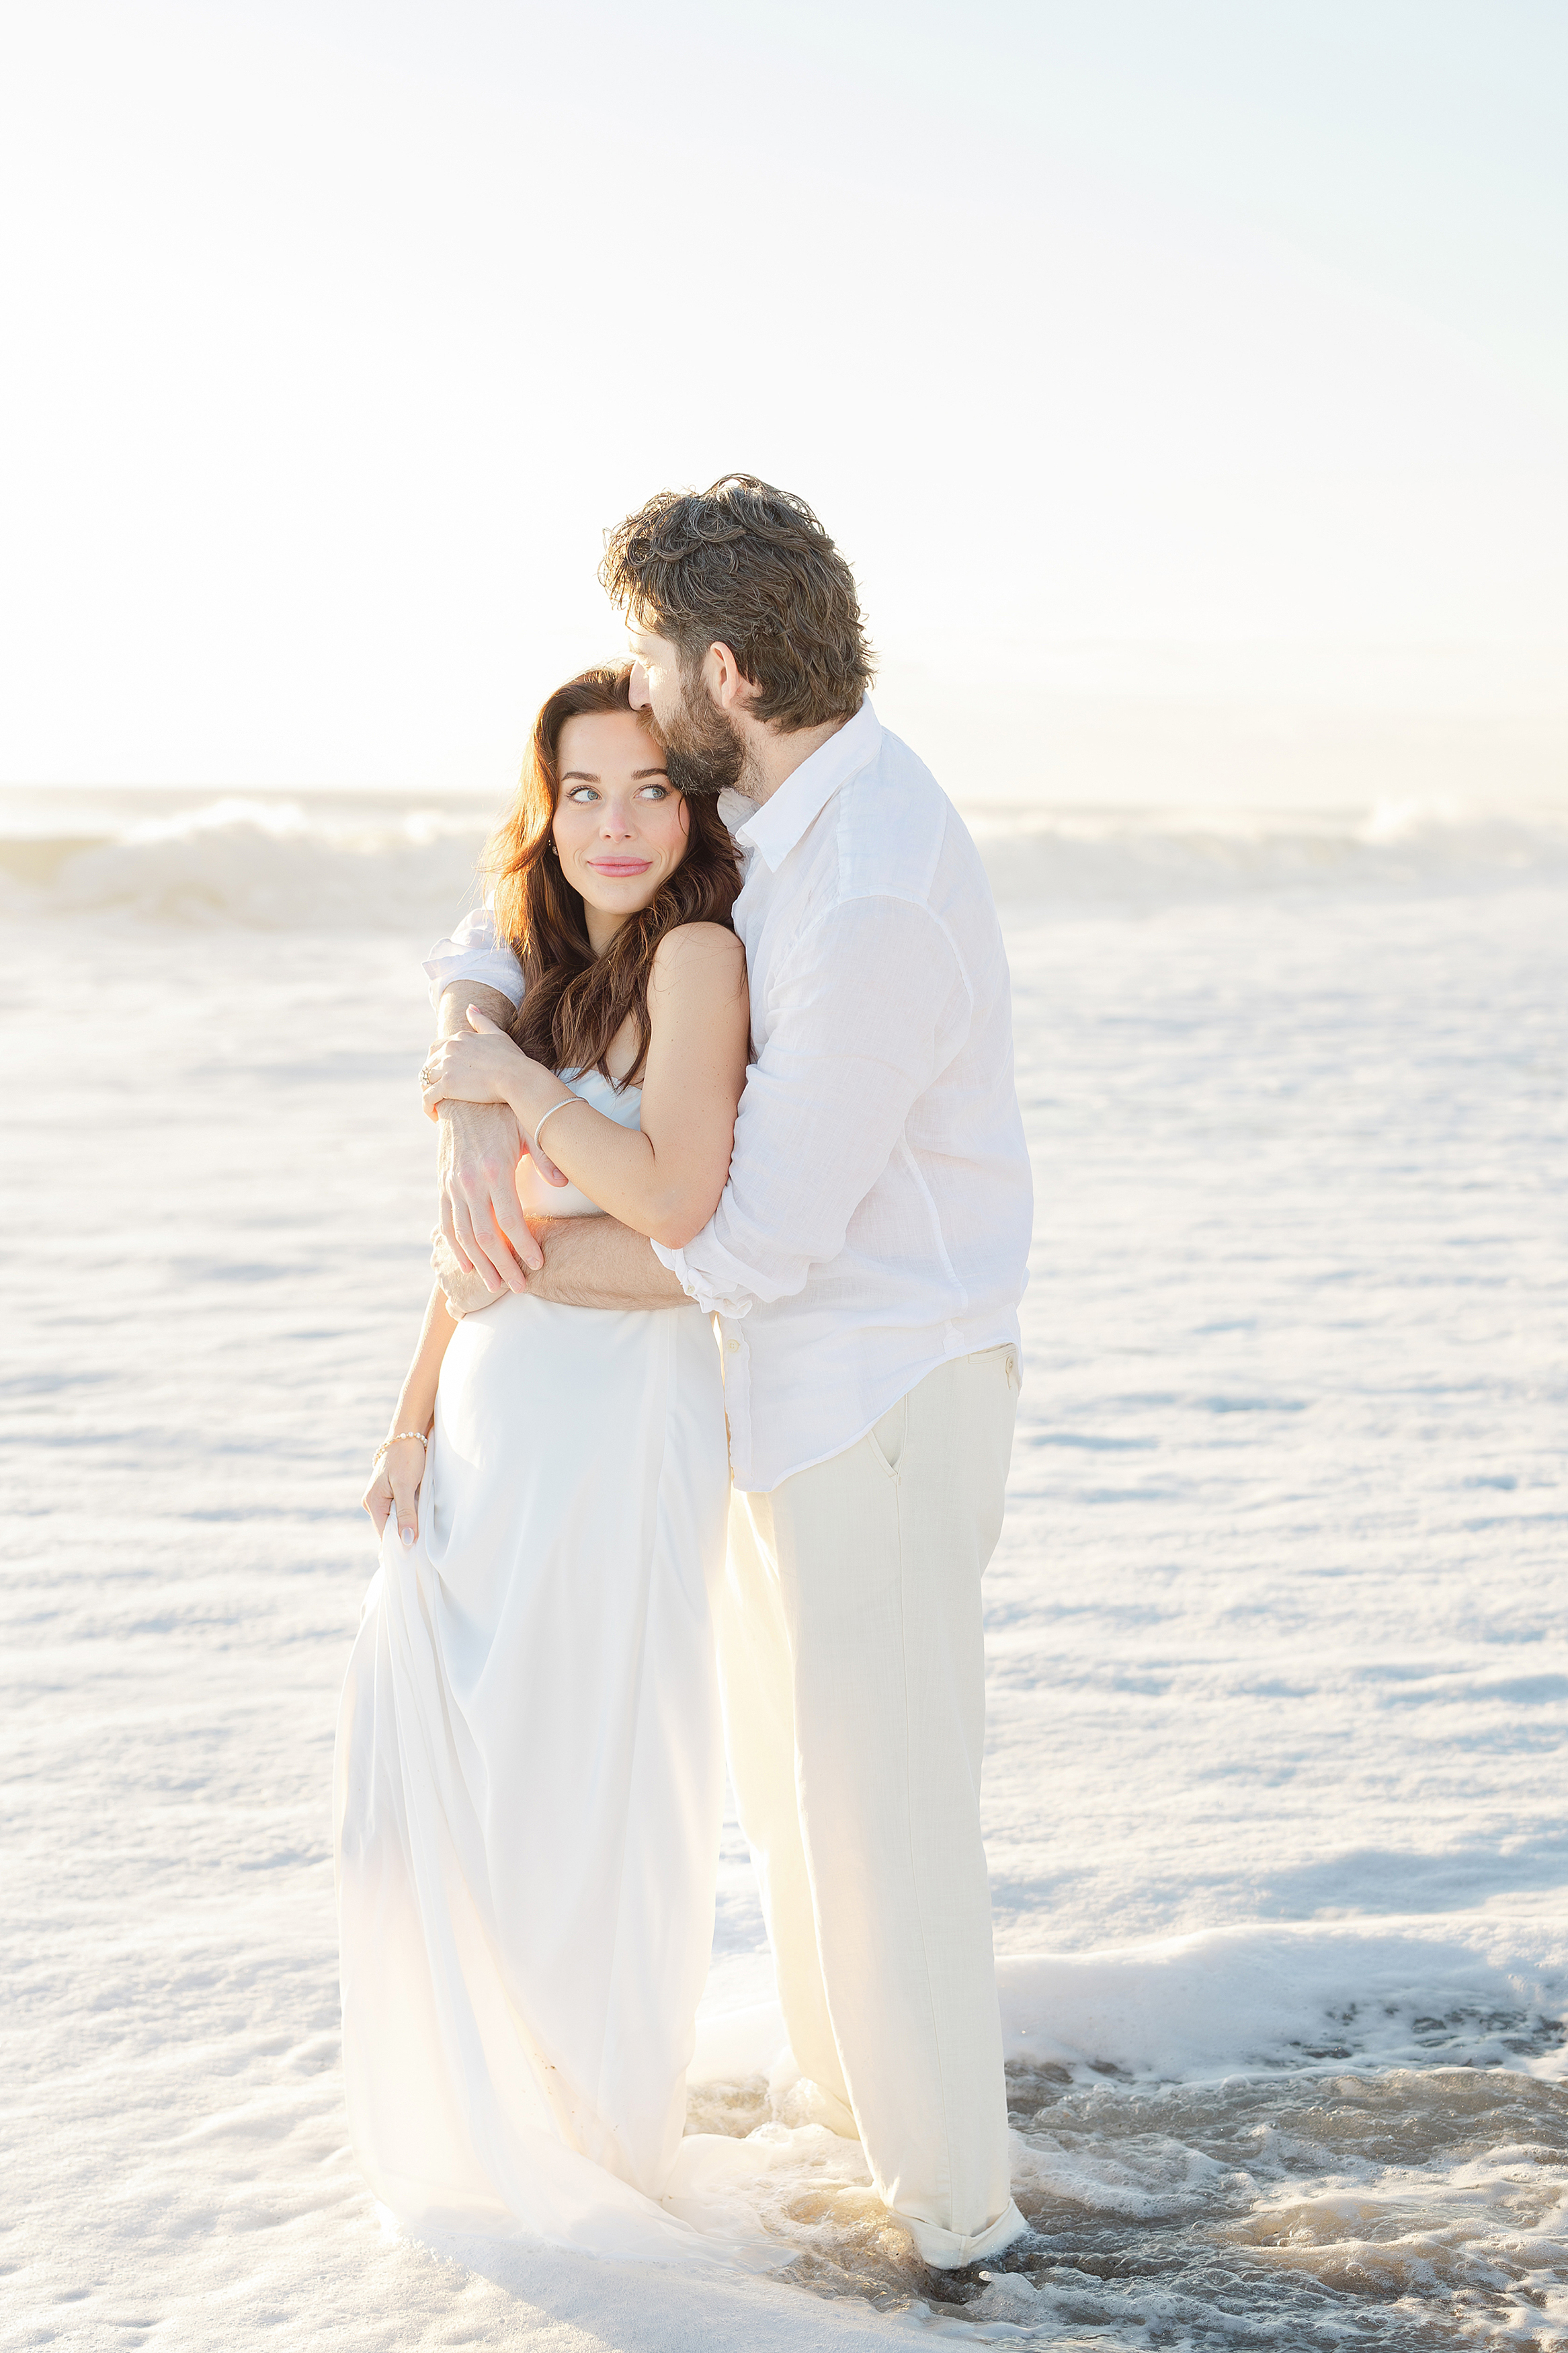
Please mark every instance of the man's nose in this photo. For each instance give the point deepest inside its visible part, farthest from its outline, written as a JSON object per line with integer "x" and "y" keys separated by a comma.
{"x": 637, "y": 690}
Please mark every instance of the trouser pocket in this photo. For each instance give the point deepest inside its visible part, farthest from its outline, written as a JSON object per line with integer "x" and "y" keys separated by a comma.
{"x": 889, "y": 1436}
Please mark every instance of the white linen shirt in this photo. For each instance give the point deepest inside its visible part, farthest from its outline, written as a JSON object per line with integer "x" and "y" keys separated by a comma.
{"x": 877, "y": 1216}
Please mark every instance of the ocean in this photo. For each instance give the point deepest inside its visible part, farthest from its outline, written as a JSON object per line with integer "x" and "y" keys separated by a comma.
{"x": 1275, "y": 1785}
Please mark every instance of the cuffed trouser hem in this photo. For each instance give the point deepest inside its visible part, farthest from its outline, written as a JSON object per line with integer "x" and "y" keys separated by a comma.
{"x": 948, "y": 2251}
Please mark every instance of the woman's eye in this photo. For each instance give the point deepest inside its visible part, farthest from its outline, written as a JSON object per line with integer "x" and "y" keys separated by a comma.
{"x": 582, "y": 793}
{"x": 654, "y": 793}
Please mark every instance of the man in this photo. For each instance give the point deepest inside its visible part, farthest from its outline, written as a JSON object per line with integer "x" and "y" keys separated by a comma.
{"x": 865, "y": 1264}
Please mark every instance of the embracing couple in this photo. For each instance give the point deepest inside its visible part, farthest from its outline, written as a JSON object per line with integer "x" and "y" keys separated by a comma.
{"x": 704, "y": 1444}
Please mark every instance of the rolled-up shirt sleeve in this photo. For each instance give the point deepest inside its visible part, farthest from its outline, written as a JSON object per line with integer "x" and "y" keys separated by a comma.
{"x": 869, "y": 1007}
{"x": 475, "y": 952}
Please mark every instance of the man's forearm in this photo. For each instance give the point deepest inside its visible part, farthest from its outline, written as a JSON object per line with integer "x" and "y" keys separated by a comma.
{"x": 452, "y": 1013}
{"x": 599, "y": 1262}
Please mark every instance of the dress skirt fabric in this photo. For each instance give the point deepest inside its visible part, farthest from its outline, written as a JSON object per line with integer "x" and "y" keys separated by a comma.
{"x": 529, "y": 1785}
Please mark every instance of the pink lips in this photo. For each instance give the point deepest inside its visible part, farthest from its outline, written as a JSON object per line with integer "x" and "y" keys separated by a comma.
{"x": 618, "y": 866}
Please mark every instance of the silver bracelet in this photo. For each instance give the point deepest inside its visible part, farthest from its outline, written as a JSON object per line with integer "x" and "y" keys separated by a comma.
{"x": 388, "y": 1443}
{"x": 553, "y": 1109}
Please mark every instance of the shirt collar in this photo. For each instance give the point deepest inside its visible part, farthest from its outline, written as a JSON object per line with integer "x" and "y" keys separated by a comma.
{"x": 800, "y": 800}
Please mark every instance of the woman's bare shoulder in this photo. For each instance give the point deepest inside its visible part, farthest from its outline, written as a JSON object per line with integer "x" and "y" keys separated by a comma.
{"x": 709, "y": 950}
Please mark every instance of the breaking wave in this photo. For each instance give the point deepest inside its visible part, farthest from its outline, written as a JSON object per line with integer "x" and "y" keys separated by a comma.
{"x": 271, "y": 864}
{"x": 1062, "y": 859}
{"x": 345, "y": 862}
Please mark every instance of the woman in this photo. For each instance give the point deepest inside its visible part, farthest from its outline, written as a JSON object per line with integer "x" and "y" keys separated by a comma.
{"x": 529, "y": 1767}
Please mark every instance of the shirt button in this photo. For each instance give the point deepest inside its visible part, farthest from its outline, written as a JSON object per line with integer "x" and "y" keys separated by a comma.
{"x": 732, "y": 1346}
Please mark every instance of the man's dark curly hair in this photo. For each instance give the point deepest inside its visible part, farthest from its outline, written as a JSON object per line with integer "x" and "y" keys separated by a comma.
{"x": 744, "y": 565}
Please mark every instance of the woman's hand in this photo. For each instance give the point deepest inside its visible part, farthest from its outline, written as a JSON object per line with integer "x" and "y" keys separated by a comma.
{"x": 486, "y": 1067}
{"x": 394, "y": 1487}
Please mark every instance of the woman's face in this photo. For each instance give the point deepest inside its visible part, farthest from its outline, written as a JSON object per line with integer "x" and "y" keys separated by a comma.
{"x": 620, "y": 825}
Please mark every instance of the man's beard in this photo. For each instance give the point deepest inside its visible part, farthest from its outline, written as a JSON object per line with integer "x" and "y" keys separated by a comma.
{"x": 704, "y": 751}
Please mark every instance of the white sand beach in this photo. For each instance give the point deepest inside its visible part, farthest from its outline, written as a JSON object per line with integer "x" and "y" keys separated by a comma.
{"x": 1279, "y": 1670}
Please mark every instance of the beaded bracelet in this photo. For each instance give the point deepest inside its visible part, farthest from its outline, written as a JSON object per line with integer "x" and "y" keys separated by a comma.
{"x": 387, "y": 1443}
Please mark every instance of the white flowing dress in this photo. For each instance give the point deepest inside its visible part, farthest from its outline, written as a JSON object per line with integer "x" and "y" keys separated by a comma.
{"x": 530, "y": 1777}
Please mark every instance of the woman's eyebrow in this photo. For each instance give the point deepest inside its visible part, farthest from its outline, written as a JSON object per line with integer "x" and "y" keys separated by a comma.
{"x": 588, "y": 777}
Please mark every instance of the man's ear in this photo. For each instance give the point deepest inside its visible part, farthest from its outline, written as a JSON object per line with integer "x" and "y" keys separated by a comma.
{"x": 727, "y": 683}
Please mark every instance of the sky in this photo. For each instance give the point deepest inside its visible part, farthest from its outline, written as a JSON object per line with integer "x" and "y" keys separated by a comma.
{"x": 1186, "y": 380}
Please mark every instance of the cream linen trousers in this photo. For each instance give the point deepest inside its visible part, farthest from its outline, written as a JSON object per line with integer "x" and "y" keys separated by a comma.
{"x": 851, "y": 1661}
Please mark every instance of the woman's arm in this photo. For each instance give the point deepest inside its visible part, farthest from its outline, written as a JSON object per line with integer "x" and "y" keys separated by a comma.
{"x": 665, "y": 1180}
{"x": 395, "y": 1484}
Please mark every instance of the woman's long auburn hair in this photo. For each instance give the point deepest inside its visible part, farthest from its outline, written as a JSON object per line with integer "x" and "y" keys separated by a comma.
{"x": 574, "y": 1003}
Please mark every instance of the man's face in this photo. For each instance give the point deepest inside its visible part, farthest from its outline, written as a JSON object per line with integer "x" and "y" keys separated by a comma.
{"x": 655, "y": 675}
{"x": 705, "y": 750}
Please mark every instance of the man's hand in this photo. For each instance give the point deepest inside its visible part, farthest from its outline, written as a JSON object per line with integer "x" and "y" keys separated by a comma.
{"x": 481, "y": 1215}
{"x": 480, "y": 1148}
{"x": 464, "y": 1292}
